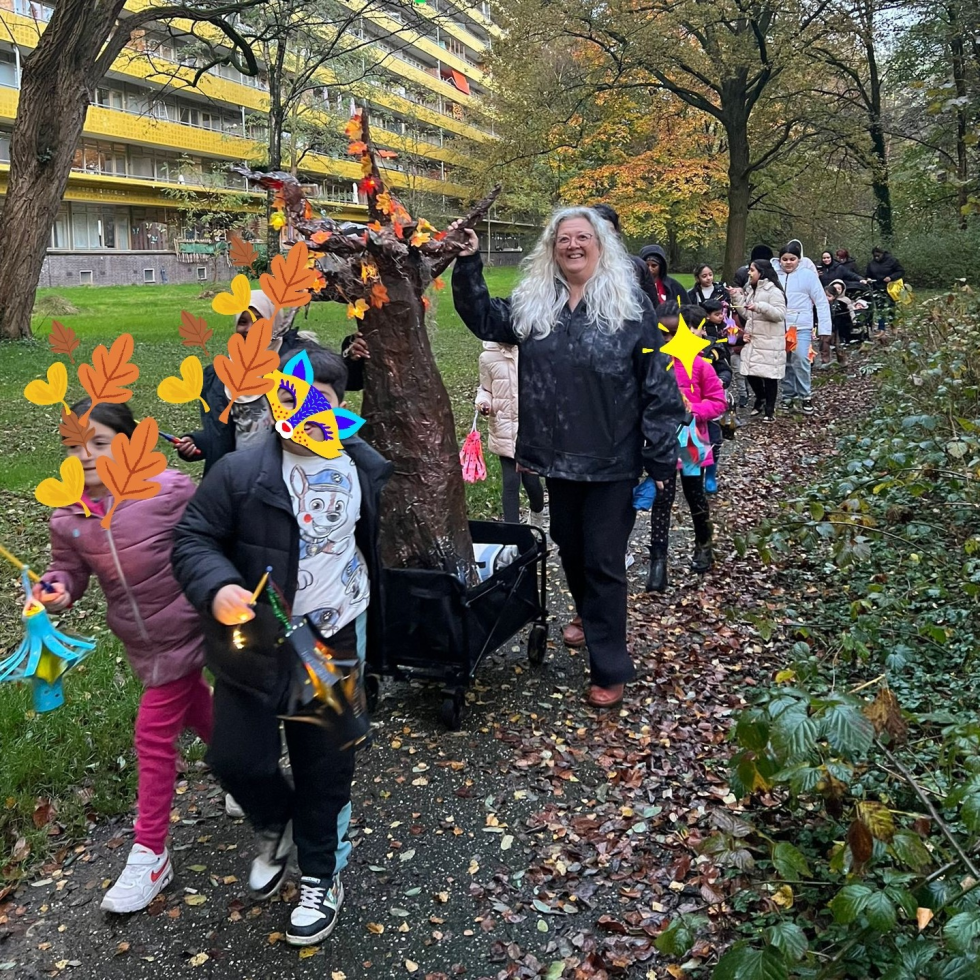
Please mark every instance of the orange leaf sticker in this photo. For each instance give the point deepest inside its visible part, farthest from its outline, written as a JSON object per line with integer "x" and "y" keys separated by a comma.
{"x": 249, "y": 360}
{"x": 62, "y": 340}
{"x": 357, "y": 310}
{"x": 379, "y": 295}
{"x": 75, "y": 432}
{"x": 357, "y": 148}
{"x": 439, "y": 284}
{"x": 368, "y": 271}
{"x": 128, "y": 472}
{"x": 319, "y": 237}
{"x": 107, "y": 377}
{"x": 194, "y": 331}
{"x": 243, "y": 254}
{"x": 291, "y": 280}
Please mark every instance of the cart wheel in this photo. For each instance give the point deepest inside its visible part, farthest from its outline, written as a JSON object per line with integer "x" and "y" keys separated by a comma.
{"x": 537, "y": 644}
{"x": 451, "y": 711}
{"x": 372, "y": 691}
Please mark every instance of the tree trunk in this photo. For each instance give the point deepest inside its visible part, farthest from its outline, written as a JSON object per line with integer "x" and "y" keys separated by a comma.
{"x": 276, "y": 119}
{"x": 54, "y": 99}
{"x": 958, "y": 63}
{"x": 410, "y": 421}
{"x": 739, "y": 190}
{"x": 880, "y": 181}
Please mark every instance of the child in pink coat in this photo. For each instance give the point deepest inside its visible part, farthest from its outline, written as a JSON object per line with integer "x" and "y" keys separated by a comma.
{"x": 704, "y": 397}
{"x": 158, "y": 627}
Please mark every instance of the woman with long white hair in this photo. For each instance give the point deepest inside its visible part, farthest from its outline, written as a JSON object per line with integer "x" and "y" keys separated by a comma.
{"x": 596, "y": 406}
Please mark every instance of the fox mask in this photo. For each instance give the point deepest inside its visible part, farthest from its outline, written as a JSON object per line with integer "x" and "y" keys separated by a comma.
{"x": 303, "y": 414}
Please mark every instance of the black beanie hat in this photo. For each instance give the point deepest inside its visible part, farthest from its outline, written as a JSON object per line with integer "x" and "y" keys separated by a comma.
{"x": 761, "y": 252}
{"x": 792, "y": 248}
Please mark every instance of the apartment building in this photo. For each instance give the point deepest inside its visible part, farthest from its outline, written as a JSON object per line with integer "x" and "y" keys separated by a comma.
{"x": 147, "y": 131}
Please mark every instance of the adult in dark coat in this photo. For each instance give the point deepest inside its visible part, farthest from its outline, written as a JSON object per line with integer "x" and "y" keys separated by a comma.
{"x": 830, "y": 270}
{"x": 884, "y": 267}
{"x": 644, "y": 277}
{"x": 741, "y": 278}
{"x": 669, "y": 290}
{"x": 595, "y": 410}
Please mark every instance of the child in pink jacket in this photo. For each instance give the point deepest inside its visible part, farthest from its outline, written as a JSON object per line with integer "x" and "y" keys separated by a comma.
{"x": 159, "y": 628}
{"x": 704, "y": 397}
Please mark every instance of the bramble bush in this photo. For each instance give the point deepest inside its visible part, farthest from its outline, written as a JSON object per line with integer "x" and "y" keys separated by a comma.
{"x": 858, "y": 852}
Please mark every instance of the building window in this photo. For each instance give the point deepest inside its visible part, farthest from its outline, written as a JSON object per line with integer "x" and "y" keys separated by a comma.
{"x": 148, "y": 230}
{"x": 202, "y": 274}
{"x": 34, "y": 10}
{"x": 8, "y": 67}
{"x": 86, "y": 278}
{"x": 149, "y": 275}
{"x": 4, "y": 147}
{"x": 60, "y": 233}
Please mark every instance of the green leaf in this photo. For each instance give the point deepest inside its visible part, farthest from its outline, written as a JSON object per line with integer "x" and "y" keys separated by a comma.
{"x": 847, "y": 730}
{"x": 962, "y": 930}
{"x": 880, "y": 912}
{"x": 789, "y": 939}
{"x": 555, "y": 970}
{"x": 745, "y": 963}
{"x": 679, "y": 936}
{"x": 752, "y": 731}
{"x": 794, "y": 734}
{"x": 790, "y": 862}
{"x": 849, "y": 903}
{"x": 908, "y": 848}
{"x": 970, "y": 812}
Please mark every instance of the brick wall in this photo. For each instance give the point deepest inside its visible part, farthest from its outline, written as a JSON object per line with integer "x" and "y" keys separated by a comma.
{"x": 112, "y": 268}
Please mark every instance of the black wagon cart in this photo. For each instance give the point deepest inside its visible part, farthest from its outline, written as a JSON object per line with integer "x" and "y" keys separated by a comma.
{"x": 439, "y": 630}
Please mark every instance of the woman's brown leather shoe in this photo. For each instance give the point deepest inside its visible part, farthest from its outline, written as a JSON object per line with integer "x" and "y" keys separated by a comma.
{"x": 573, "y": 634}
{"x": 606, "y": 697}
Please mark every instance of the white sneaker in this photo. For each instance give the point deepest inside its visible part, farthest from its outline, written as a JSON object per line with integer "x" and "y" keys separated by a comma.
{"x": 269, "y": 865}
{"x": 316, "y": 915}
{"x": 232, "y": 809}
{"x": 146, "y": 875}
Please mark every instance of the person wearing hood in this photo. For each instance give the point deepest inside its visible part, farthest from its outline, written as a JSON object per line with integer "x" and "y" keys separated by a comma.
{"x": 669, "y": 290}
{"x": 803, "y": 294}
{"x": 831, "y": 270}
{"x": 805, "y": 262}
{"x": 741, "y": 278}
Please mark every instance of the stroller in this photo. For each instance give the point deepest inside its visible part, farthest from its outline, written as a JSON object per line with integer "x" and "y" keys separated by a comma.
{"x": 872, "y": 309}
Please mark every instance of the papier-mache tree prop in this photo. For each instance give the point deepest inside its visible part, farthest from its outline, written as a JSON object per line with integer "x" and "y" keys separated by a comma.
{"x": 382, "y": 271}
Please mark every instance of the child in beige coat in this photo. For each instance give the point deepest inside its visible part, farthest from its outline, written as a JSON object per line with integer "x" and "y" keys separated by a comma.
{"x": 497, "y": 398}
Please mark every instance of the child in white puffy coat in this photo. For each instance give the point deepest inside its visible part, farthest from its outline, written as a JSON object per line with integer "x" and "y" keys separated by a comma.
{"x": 497, "y": 398}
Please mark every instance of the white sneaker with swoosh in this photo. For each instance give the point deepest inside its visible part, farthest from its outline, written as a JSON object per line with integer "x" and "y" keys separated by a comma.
{"x": 146, "y": 875}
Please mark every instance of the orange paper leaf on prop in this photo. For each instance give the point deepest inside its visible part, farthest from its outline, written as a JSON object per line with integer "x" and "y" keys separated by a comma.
{"x": 379, "y": 295}
{"x": 439, "y": 284}
{"x": 383, "y": 203}
{"x": 419, "y": 238}
{"x": 194, "y": 331}
{"x": 62, "y": 340}
{"x": 357, "y": 310}
{"x": 128, "y": 472}
{"x": 291, "y": 280}
{"x": 440, "y": 235}
{"x": 248, "y": 360}
{"x": 107, "y": 377}
{"x": 366, "y": 165}
{"x": 357, "y": 148}
{"x": 75, "y": 432}
{"x": 319, "y": 237}
{"x": 374, "y": 226}
{"x": 353, "y": 129}
{"x": 368, "y": 271}
{"x": 243, "y": 254}
{"x": 425, "y": 303}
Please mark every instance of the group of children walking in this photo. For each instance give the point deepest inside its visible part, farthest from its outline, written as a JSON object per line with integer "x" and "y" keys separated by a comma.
{"x": 179, "y": 571}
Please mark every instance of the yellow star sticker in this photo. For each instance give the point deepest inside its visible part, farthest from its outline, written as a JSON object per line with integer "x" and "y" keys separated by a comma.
{"x": 685, "y": 345}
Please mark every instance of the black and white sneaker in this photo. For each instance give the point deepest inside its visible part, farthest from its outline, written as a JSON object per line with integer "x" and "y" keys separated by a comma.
{"x": 269, "y": 866}
{"x": 316, "y": 915}
{"x": 807, "y": 406}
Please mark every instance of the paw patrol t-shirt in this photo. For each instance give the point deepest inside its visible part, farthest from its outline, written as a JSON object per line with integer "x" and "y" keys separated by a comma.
{"x": 333, "y": 587}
